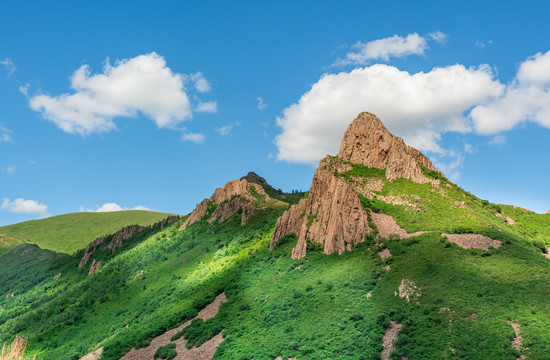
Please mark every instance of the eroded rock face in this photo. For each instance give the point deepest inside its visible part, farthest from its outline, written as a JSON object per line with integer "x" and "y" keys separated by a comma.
{"x": 368, "y": 142}
{"x": 332, "y": 215}
{"x": 236, "y": 195}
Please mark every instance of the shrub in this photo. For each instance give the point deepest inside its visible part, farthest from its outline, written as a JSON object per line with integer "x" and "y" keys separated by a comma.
{"x": 167, "y": 352}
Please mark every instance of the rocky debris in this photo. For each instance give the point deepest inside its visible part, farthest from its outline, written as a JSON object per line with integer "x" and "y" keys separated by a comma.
{"x": 234, "y": 196}
{"x": 461, "y": 204}
{"x": 409, "y": 204}
{"x": 384, "y": 253}
{"x": 389, "y": 338}
{"x": 368, "y": 142}
{"x": 331, "y": 215}
{"x": 56, "y": 277}
{"x": 94, "y": 267}
{"x": 204, "y": 352}
{"x": 16, "y": 350}
{"x": 408, "y": 290}
{"x": 507, "y": 219}
{"x": 10, "y": 295}
{"x": 96, "y": 355}
{"x": 387, "y": 226}
{"x": 475, "y": 241}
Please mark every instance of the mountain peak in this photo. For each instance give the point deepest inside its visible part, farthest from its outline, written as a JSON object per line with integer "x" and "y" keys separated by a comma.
{"x": 254, "y": 178}
{"x": 368, "y": 142}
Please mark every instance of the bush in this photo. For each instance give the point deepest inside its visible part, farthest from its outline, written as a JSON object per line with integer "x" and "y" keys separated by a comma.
{"x": 167, "y": 352}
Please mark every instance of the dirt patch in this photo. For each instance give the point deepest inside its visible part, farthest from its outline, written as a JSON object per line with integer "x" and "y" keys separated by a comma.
{"x": 547, "y": 254}
{"x": 205, "y": 351}
{"x": 384, "y": 253}
{"x": 461, "y": 204}
{"x": 96, "y": 355}
{"x": 56, "y": 277}
{"x": 507, "y": 219}
{"x": 516, "y": 343}
{"x": 139, "y": 274}
{"x": 389, "y": 338}
{"x": 387, "y": 226}
{"x": 369, "y": 294}
{"x": 473, "y": 241}
{"x": 408, "y": 290}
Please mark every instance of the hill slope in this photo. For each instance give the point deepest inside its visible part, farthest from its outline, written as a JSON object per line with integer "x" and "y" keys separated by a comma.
{"x": 380, "y": 261}
{"x": 70, "y": 232}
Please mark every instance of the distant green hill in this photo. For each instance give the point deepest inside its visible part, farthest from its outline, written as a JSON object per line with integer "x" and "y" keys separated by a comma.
{"x": 70, "y": 232}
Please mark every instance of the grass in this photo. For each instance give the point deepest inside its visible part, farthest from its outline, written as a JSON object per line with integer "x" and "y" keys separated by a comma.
{"x": 70, "y": 232}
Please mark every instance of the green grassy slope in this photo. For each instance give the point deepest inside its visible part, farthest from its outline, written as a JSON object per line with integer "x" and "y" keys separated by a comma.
{"x": 70, "y": 232}
{"x": 312, "y": 308}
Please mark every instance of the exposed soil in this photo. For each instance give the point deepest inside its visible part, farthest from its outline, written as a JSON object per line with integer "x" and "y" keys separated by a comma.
{"x": 387, "y": 226}
{"x": 389, "y": 338}
{"x": 96, "y": 355}
{"x": 384, "y": 253}
{"x": 547, "y": 254}
{"x": 508, "y": 219}
{"x": 473, "y": 241}
{"x": 516, "y": 343}
{"x": 408, "y": 290}
{"x": 206, "y": 351}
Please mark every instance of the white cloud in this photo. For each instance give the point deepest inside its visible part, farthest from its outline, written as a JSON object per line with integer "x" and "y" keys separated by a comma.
{"x": 498, "y": 140}
{"x": 9, "y": 65}
{"x": 418, "y": 107}
{"x": 200, "y": 82}
{"x": 224, "y": 130}
{"x": 527, "y": 98}
{"x": 193, "y": 137}
{"x": 11, "y": 169}
{"x": 109, "y": 207}
{"x": 143, "y": 84}
{"x": 469, "y": 148}
{"x": 24, "y": 89}
{"x": 22, "y": 206}
{"x": 5, "y": 134}
{"x": 395, "y": 46}
{"x": 207, "y": 107}
{"x": 438, "y": 37}
{"x": 261, "y": 104}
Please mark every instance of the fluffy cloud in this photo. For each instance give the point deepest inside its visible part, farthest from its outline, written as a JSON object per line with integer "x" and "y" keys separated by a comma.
{"x": 109, "y": 207}
{"x": 9, "y": 65}
{"x": 143, "y": 84}
{"x": 527, "y": 98}
{"x": 418, "y": 107}
{"x": 498, "y": 140}
{"x": 193, "y": 137}
{"x": 224, "y": 130}
{"x": 394, "y": 46}
{"x": 22, "y": 206}
{"x": 207, "y": 107}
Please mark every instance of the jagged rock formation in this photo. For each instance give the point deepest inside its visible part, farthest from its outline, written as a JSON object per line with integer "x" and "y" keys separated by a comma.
{"x": 236, "y": 195}
{"x": 94, "y": 267}
{"x": 368, "y": 142}
{"x": 332, "y": 214}
{"x": 115, "y": 241}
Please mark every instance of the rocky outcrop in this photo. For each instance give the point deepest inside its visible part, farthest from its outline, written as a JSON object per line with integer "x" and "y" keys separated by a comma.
{"x": 548, "y": 212}
{"x": 331, "y": 215}
{"x": 368, "y": 142}
{"x": 236, "y": 195}
{"x": 94, "y": 267}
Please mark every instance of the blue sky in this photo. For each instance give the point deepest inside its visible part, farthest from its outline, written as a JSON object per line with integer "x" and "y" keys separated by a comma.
{"x": 108, "y": 105}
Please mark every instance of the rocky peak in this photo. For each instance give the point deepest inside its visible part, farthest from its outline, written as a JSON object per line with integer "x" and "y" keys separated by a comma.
{"x": 236, "y": 195}
{"x": 254, "y": 178}
{"x": 368, "y": 142}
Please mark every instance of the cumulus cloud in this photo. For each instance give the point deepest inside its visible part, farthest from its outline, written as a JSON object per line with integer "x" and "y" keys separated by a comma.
{"x": 483, "y": 44}
{"x": 527, "y": 98}
{"x": 9, "y": 65}
{"x": 109, "y": 207}
{"x": 24, "y": 89}
{"x": 392, "y": 47}
{"x": 22, "y": 206}
{"x": 207, "y": 107}
{"x": 418, "y": 107}
{"x": 193, "y": 137}
{"x": 143, "y": 84}
{"x": 261, "y": 104}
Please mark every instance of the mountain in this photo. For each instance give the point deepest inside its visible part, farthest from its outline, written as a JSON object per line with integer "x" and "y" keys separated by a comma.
{"x": 383, "y": 258}
{"x": 70, "y": 232}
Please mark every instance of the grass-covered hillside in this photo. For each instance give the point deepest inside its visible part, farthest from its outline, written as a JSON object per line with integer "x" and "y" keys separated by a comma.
{"x": 70, "y": 232}
{"x": 446, "y": 301}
